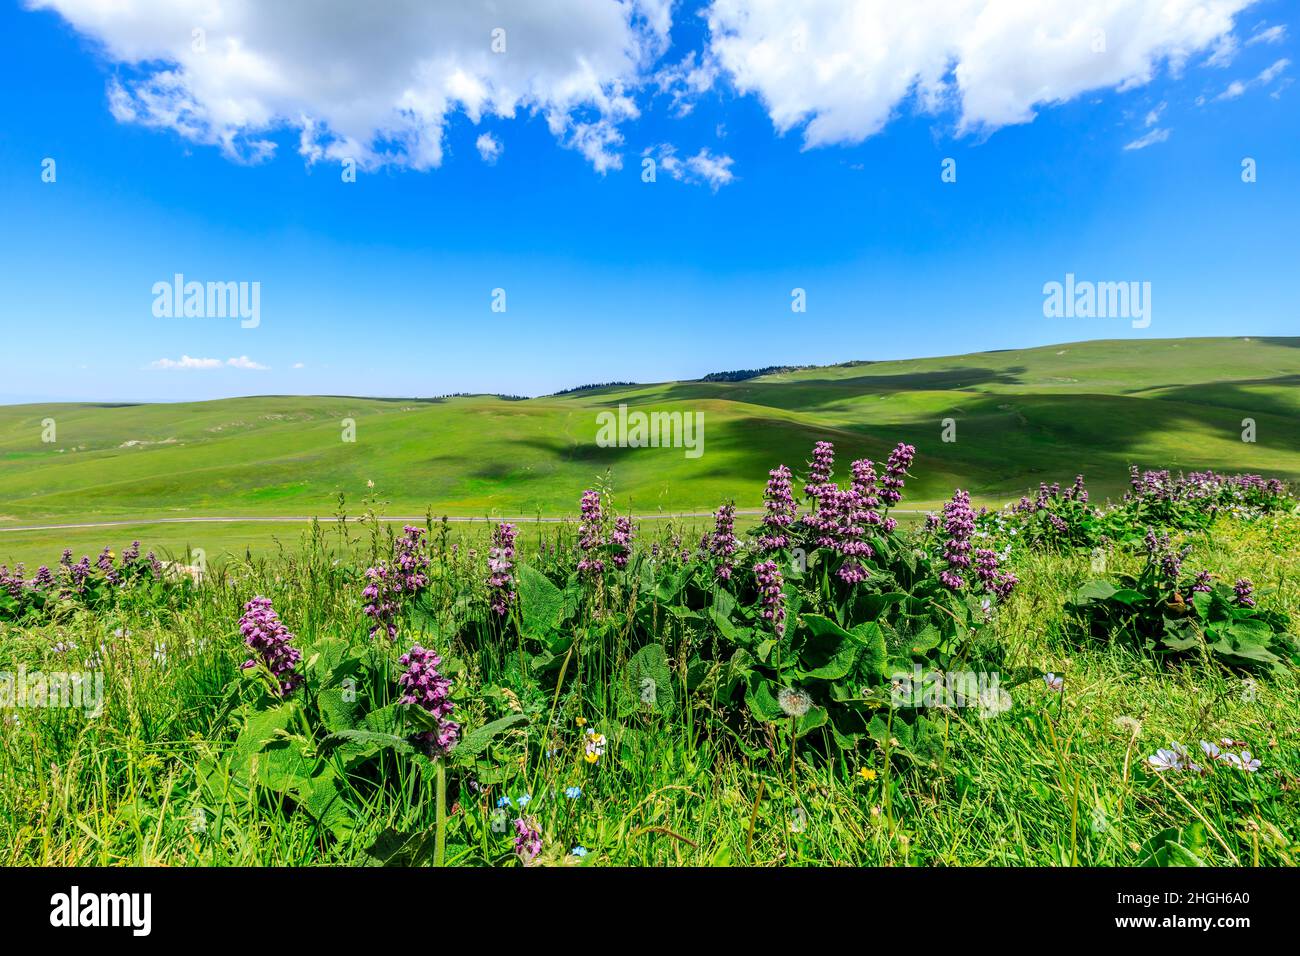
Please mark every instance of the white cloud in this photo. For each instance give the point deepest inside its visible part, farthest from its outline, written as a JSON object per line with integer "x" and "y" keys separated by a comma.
{"x": 378, "y": 83}
{"x": 489, "y": 148}
{"x": 1150, "y": 139}
{"x": 686, "y": 80}
{"x": 1274, "y": 34}
{"x": 186, "y": 362}
{"x": 841, "y": 70}
{"x": 704, "y": 167}
{"x": 299, "y": 365}
{"x": 246, "y": 363}
{"x": 1153, "y": 117}
{"x": 1265, "y": 76}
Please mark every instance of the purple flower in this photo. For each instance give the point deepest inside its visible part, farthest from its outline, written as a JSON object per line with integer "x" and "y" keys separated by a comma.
{"x": 270, "y": 640}
{"x": 891, "y": 485}
{"x": 500, "y": 564}
{"x": 1244, "y": 591}
{"x": 622, "y": 535}
{"x": 411, "y": 560}
{"x": 819, "y": 469}
{"x": 105, "y": 564}
{"x": 780, "y": 507}
{"x": 959, "y": 525}
{"x": 723, "y": 544}
{"x": 591, "y": 533}
{"x": 1202, "y": 583}
{"x": 772, "y": 600}
{"x": 427, "y": 689}
{"x": 528, "y": 839}
{"x": 381, "y": 593}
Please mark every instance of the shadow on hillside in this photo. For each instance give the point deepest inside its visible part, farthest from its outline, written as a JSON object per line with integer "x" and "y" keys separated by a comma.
{"x": 1233, "y": 395}
{"x": 810, "y": 394}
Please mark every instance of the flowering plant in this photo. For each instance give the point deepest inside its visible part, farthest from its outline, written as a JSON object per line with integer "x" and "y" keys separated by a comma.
{"x": 1176, "y": 613}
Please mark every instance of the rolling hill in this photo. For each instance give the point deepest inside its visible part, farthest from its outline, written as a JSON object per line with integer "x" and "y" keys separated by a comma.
{"x": 1021, "y": 416}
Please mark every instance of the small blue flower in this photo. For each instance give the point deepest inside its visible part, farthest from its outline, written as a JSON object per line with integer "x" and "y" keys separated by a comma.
{"x": 505, "y": 802}
{"x": 573, "y": 793}
{"x": 579, "y": 851}
{"x": 523, "y": 800}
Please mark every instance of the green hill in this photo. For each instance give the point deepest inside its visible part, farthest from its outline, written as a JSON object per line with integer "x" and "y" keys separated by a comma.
{"x": 1021, "y": 416}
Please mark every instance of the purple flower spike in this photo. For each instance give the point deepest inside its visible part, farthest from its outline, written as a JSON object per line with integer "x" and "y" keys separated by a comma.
{"x": 270, "y": 640}
{"x": 501, "y": 563}
{"x": 769, "y": 588}
{"x": 819, "y": 470}
{"x": 778, "y": 501}
{"x": 591, "y": 533}
{"x": 427, "y": 689}
{"x": 723, "y": 544}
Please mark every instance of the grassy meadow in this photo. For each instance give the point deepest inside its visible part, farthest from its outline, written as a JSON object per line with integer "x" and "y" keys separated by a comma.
{"x": 627, "y": 685}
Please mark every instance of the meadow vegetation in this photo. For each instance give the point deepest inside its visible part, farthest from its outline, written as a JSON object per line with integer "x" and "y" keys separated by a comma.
{"x": 1064, "y": 681}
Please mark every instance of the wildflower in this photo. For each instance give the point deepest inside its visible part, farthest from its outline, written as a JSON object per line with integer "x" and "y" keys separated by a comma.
{"x": 528, "y": 839}
{"x": 1054, "y": 682}
{"x": 500, "y": 563}
{"x": 723, "y": 544}
{"x": 622, "y": 535}
{"x": 959, "y": 523}
{"x": 866, "y": 773}
{"x": 505, "y": 802}
{"x": 769, "y": 580}
{"x": 1202, "y": 583}
{"x": 1241, "y": 761}
{"x": 591, "y": 535}
{"x": 105, "y": 564}
{"x": 573, "y": 793}
{"x": 780, "y": 507}
{"x": 411, "y": 560}
{"x": 1244, "y": 591}
{"x": 595, "y": 747}
{"x": 794, "y": 701}
{"x": 578, "y": 851}
{"x": 271, "y": 641}
{"x": 1131, "y": 724}
{"x": 819, "y": 470}
{"x": 580, "y": 721}
{"x": 524, "y": 800}
{"x": 381, "y": 592}
{"x": 1175, "y": 757}
{"x": 891, "y": 483}
{"x": 427, "y": 689}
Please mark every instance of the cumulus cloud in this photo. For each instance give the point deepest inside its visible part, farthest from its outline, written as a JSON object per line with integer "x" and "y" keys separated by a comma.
{"x": 377, "y": 83}
{"x": 840, "y": 71}
{"x": 188, "y": 363}
{"x": 385, "y": 83}
{"x": 704, "y": 167}
{"x": 489, "y": 148}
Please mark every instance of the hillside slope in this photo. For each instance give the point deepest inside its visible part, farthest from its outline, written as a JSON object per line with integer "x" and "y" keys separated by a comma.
{"x": 1021, "y": 416}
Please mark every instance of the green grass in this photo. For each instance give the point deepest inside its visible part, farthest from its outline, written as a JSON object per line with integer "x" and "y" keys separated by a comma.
{"x": 1022, "y": 416}
{"x": 1057, "y": 780}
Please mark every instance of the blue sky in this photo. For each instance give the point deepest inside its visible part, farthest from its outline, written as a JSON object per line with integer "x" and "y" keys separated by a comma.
{"x": 383, "y": 286}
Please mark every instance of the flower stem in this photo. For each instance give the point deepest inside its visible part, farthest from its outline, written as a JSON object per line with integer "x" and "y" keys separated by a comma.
{"x": 440, "y": 833}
